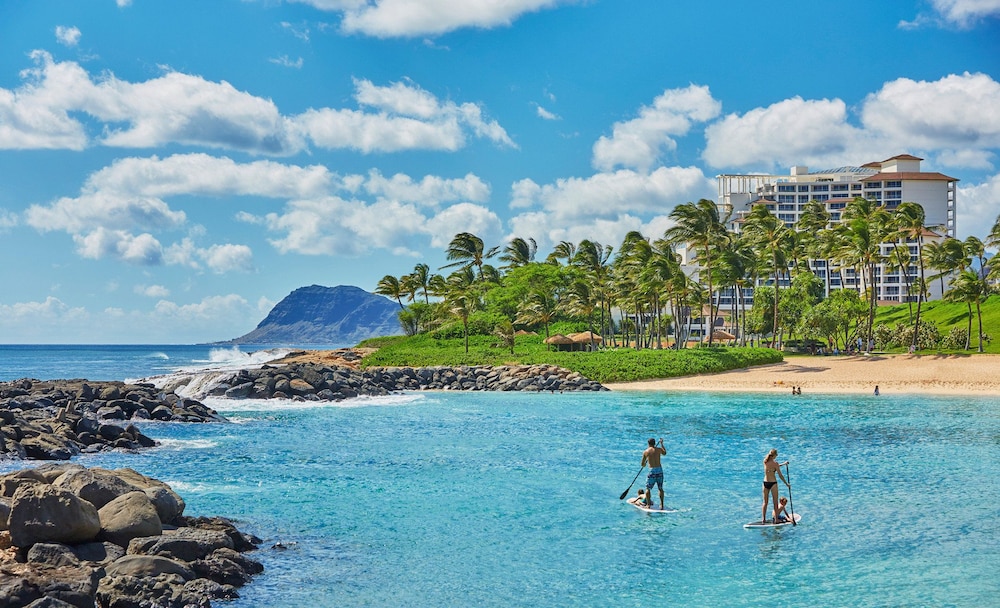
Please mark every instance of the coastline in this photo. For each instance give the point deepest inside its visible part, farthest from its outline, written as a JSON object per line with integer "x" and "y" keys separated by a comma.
{"x": 894, "y": 374}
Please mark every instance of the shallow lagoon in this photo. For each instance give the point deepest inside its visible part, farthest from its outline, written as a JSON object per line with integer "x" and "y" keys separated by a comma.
{"x": 441, "y": 499}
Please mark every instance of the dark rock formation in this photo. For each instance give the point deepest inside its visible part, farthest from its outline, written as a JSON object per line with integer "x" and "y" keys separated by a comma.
{"x": 51, "y": 556}
{"x": 326, "y": 315}
{"x": 58, "y": 419}
{"x": 316, "y": 382}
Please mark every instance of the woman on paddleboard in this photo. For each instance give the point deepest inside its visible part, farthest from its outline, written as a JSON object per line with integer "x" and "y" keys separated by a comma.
{"x": 771, "y": 466}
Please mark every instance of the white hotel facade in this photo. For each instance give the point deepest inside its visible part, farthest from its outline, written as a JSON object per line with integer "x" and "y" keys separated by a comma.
{"x": 888, "y": 183}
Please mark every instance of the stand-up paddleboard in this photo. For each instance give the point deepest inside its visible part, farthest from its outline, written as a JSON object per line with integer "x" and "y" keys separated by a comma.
{"x": 759, "y": 524}
{"x": 644, "y": 508}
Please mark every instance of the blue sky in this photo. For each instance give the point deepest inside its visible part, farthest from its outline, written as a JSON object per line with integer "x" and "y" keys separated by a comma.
{"x": 170, "y": 170}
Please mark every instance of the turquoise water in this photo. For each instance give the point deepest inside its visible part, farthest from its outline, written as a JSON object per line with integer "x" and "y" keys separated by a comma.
{"x": 444, "y": 499}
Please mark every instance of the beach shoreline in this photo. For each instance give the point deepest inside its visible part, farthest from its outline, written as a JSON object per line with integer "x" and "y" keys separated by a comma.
{"x": 860, "y": 374}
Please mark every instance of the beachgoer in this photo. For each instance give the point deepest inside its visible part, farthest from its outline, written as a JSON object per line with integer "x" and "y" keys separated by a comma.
{"x": 876, "y": 390}
{"x": 640, "y": 498}
{"x": 783, "y": 515}
{"x": 771, "y": 466}
{"x": 651, "y": 456}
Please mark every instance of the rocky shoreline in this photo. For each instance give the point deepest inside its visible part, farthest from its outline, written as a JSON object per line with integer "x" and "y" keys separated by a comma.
{"x": 77, "y": 537}
{"x": 323, "y": 382}
{"x": 58, "y": 419}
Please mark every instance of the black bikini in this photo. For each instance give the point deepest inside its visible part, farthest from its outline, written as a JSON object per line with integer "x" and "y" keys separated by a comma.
{"x": 769, "y": 484}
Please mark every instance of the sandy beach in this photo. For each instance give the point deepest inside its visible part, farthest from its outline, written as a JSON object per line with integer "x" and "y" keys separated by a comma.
{"x": 894, "y": 374}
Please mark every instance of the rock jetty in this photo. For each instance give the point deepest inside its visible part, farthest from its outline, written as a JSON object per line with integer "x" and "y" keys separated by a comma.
{"x": 77, "y": 537}
{"x": 320, "y": 382}
{"x": 58, "y": 419}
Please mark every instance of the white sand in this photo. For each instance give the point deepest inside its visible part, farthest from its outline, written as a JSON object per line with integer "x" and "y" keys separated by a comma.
{"x": 894, "y": 374}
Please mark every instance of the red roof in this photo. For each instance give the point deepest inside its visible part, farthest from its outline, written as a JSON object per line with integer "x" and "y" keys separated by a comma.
{"x": 903, "y": 157}
{"x": 910, "y": 176}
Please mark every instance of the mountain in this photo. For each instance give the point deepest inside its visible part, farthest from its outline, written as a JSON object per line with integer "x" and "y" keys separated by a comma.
{"x": 341, "y": 315}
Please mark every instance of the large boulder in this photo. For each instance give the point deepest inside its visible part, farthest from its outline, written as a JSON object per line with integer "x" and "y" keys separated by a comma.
{"x": 148, "y": 565}
{"x": 96, "y": 486}
{"x": 129, "y": 516}
{"x": 45, "y": 513}
{"x": 186, "y": 544}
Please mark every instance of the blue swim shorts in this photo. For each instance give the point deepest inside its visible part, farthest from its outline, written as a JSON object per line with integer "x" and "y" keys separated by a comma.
{"x": 655, "y": 477}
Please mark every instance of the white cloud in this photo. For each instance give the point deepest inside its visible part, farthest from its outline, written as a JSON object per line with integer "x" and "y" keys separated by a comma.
{"x": 287, "y": 62}
{"x": 407, "y": 18}
{"x": 464, "y": 217}
{"x": 793, "y": 131}
{"x": 227, "y": 258}
{"x": 407, "y": 118}
{"x": 545, "y": 114}
{"x": 639, "y": 143}
{"x": 68, "y": 36}
{"x": 611, "y": 195}
{"x": 431, "y": 190}
{"x": 187, "y": 109}
{"x": 955, "y": 112}
{"x": 955, "y": 118}
{"x": 965, "y": 13}
{"x": 977, "y": 208}
{"x": 123, "y": 3}
{"x": 547, "y": 232}
{"x": 152, "y": 291}
{"x": 140, "y": 250}
{"x": 8, "y": 220}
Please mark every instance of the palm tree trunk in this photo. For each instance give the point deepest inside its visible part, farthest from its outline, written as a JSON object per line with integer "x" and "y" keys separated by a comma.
{"x": 979, "y": 314}
{"x": 968, "y": 333}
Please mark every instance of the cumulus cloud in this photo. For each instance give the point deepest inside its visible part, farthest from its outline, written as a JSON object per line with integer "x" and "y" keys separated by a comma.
{"x": 431, "y": 190}
{"x": 977, "y": 208}
{"x": 8, "y": 220}
{"x": 956, "y": 118}
{"x": 464, "y": 217}
{"x": 140, "y": 250}
{"x": 179, "y": 108}
{"x": 152, "y": 291}
{"x": 613, "y": 194}
{"x": 638, "y": 143}
{"x": 607, "y": 231}
{"x": 406, "y": 117}
{"x": 409, "y": 18}
{"x": 68, "y": 36}
{"x": 960, "y": 13}
{"x": 545, "y": 114}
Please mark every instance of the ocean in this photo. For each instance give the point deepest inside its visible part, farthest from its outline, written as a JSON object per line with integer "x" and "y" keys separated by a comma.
{"x": 512, "y": 499}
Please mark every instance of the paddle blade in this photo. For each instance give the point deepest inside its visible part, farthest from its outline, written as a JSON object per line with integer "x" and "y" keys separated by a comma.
{"x": 622, "y": 497}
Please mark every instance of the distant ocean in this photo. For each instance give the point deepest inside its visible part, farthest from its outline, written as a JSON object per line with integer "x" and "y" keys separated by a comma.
{"x": 511, "y": 499}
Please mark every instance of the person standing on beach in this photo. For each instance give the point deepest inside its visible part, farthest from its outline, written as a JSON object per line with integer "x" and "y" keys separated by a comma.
{"x": 651, "y": 456}
{"x": 876, "y": 390}
{"x": 771, "y": 467}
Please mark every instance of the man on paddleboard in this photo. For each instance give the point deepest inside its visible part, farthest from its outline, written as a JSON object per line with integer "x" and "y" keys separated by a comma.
{"x": 651, "y": 456}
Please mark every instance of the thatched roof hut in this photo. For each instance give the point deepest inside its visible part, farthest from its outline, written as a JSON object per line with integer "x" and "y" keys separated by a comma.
{"x": 721, "y": 334}
{"x": 585, "y": 337}
{"x": 558, "y": 339}
{"x": 522, "y": 332}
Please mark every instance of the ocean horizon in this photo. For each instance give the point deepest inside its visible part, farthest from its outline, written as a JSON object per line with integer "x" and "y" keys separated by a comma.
{"x": 512, "y": 499}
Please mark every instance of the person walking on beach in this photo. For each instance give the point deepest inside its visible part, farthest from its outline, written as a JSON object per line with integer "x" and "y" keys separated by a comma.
{"x": 771, "y": 466}
{"x": 651, "y": 456}
{"x": 876, "y": 390}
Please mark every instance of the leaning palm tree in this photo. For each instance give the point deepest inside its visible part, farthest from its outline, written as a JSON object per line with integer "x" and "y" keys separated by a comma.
{"x": 592, "y": 258}
{"x": 462, "y": 298}
{"x": 419, "y": 280}
{"x": 541, "y": 306}
{"x": 909, "y": 223}
{"x": 581, "y": 301}
{"x": 698, "y": 226}
{"x": 519, "y": 252}
{"x": 468, "y": 250}
{"x": 970, "y": 288}
{"x": 564, "y": 250}
{"x": 773, "y": 239}
{"x": 866, "y": 226}
{"x": 391, "y": 287}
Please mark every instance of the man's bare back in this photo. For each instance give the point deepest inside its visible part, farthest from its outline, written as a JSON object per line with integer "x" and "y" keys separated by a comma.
{"x": 651, "y": 455}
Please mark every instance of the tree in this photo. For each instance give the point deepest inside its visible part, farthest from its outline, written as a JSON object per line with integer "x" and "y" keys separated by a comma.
{"x": 419, "y": 280}
{"x": 468, "y": 250}
{"x": 462, "y": 298}
{"x": 866, "y": 227}
{"x": 519, "y": 252}
{"x": 592, "y": 258}
{"x": 390, "y": 286}
{"x": 773, "y": 239}
{"x": 698, "y": 226}
{"x": 909, "y": 223}
{"x": 970, "y": 288}
{"x": 581, "y": 301}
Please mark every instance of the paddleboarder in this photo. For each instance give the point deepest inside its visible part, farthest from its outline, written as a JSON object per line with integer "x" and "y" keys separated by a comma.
{"x": 651, "y": 456}
{"x": 771, "y": 466}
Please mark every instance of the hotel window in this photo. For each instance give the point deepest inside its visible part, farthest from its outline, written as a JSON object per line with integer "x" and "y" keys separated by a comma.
{"x": 787, "y": 217}
{"x": 834, "y": 217}
{"x": 785, "y": 198}
{"x": 822, "y": 197}
{"x": 872, "y": 185}
{"x": 894, "y": 184}
{"x": 786, "y": 207}
{"x": 839, "y": 187}
{"x": 823, "y": 188}
{"x": 894, "y": 194}
{"x": 803, "y": 188}
{"x": 838, "y": 205}
{"x": 786, "y": 188}
{"x": 855, "y": 186}
{"x": 803, "y": 199}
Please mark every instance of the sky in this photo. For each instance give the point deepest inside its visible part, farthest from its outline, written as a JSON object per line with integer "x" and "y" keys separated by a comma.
{"x": 169, "y": 171}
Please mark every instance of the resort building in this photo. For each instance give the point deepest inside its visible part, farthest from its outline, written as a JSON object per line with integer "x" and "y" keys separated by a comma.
{"x": 889, "y": 183}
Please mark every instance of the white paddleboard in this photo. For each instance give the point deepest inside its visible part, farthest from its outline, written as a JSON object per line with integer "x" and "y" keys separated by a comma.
{"x": 758, "y": 524}
{"x": 644, "y": 508}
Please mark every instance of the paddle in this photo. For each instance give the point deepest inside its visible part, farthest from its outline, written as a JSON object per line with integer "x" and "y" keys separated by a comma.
{"x": 629, "y": 488}
{"x": 788, "y": 482}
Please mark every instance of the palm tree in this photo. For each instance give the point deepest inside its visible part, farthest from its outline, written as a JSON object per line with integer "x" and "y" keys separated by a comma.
{"x": 519, "y": 252}
{"x": 581, "y": 301}
{"x": 565, "y": 250}
{"x": 812, "y": 226}
{"x": 540, "y": 307}
{"x": 772, "y": 238}
{"x": 970, "y": 288}
{"x": 900, "y": 259}
{"x": 468, "y": 251}
{"x": 698, "y": 226}
{"x": 419, "y": 280}
{"x": 391, "y": 287}
{"x": 592, "y": 258}
{"x": 909, "y": 222}
{"x": 866, "y": 227}
{"x": 462, "y": 298}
